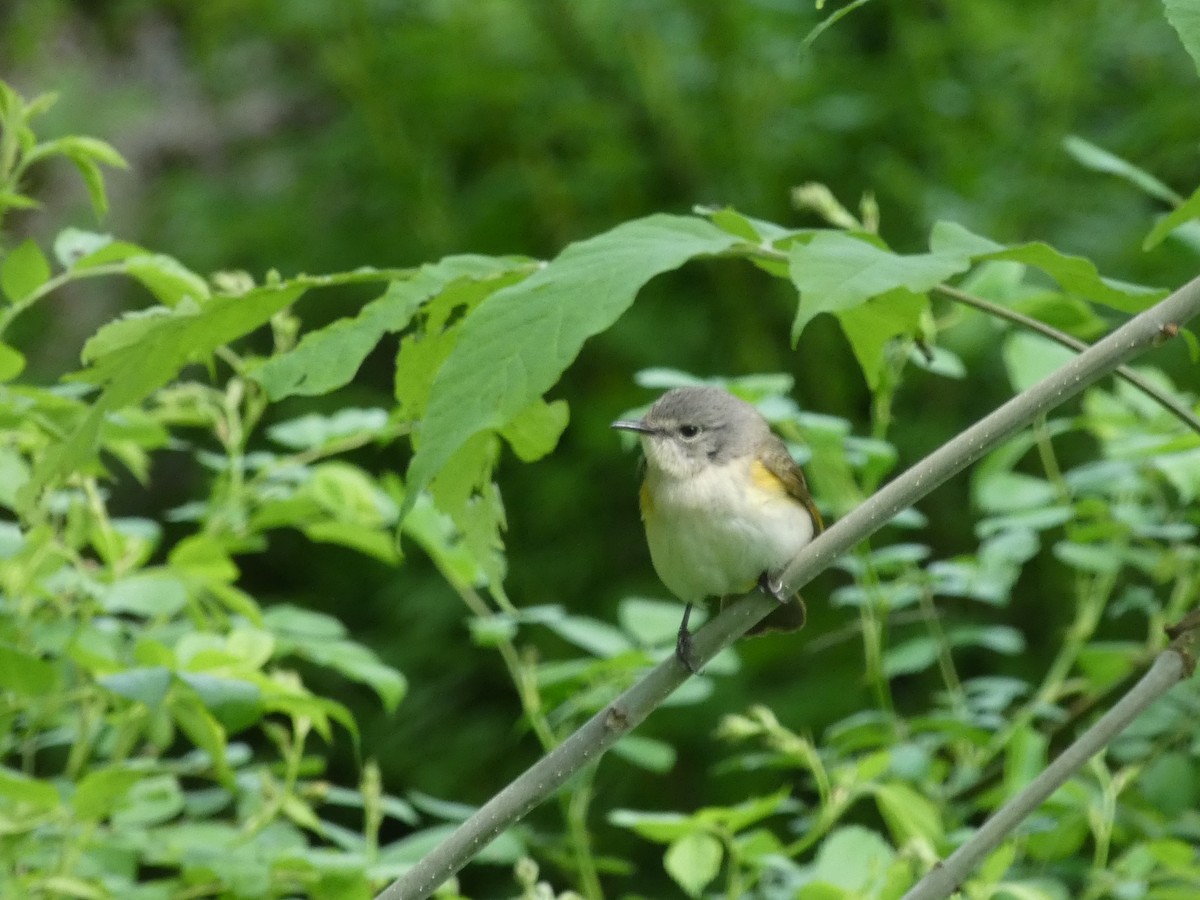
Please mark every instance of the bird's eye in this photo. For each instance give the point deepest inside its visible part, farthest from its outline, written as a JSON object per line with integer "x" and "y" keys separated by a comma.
{"x": 687, "y": 432}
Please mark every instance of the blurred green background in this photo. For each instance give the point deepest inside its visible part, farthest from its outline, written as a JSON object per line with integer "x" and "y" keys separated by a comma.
{"x": 314, "y": 136}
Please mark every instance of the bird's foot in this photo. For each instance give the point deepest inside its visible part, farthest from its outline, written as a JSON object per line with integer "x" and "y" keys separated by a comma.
{"x": 772, "y": 587}
{"x": 683, "y": 643}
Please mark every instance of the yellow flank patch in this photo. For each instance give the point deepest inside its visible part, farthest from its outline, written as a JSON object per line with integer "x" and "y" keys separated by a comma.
{"x": 645, "y": 501}
{"x": 766, "y": 479}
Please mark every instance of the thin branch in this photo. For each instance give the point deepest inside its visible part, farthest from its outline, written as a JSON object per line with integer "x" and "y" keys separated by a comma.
{"x": 604, "y": 729}
{"x": 1173, "y": 406}
{"x": 1169, "y": 668}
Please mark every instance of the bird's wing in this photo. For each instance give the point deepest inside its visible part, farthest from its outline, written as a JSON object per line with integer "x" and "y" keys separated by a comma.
{"x": 776, "y": 459}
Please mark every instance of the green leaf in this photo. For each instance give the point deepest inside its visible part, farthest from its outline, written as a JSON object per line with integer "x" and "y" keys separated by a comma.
{"x": 314, "y": 431}
{"x": 235, "y": 703}
{"x": 327, "y": 359}
{"x": 596, "y": 637}
{"x": 910, "y": 656}
{"x": 908, "y": 814}
{"x": 872, "y": 324}
{"x": 101, "y": 789}
{"x": 651, "y": 623}
{"x": 1075, "y": 274}
{"x": 25, "y": 674}
{"x": 93, "y": 180}
{"x": 21, "y": 789}
{"x": 1098, "y": 159}
{"x": 146, "y": 685}
{"x": 141, "y": 352}
{"x": 1186, "y": 211}
{"x": 535, "y": 430}
{"x": 167, "y": 279}
{"x": 517, "y": 343}
{"x": 24, "y": 271}
{"x": 836, "y": 272}
{"x": 646, "y": 753}
{"x": 71, "y": 245}
{"x": 1182, "y": 469}
{"x": 694, "y": 861}
{"x": 854, "y": 859}
{"x": 153, "y": 800}
{"x": 14, "y": 472}
{"x": 202, "y": 729}
{"x": 660, "y": 827}
{"x": 359, "y": 664}
{"x": 91, "y": 148}
{"x": 147, "y": 593}
{"x": 1028, "y": 358}
{"x": 1184, "y": 17}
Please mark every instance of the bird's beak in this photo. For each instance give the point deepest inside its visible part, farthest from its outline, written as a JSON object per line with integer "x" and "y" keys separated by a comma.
{"x": 633, "y": 425}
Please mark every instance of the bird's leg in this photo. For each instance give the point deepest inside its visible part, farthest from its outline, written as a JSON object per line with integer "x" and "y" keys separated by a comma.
{"x": 683, "y": 643}
{"x": 772, "y": 587}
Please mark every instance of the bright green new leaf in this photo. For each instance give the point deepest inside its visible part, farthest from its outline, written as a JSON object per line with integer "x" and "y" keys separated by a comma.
{"x": 855, "y": 859}
{"x": 661, "y": 827}
{"x": 869, "y": 327}
{"x": 1186, "y": 211}
{"x": 139, "y": 353}
{"x": 167, "y": 279}
{"x": 21, "y": 790}
{"x": 327, "y": 359}
{"x": 1075, "y": 274}
{"x": 101, "y": 789}
{"x": 908, "y": 814}
{"x": 202, "y": 729}
{"x": 694, "y": 860}
{"x": 1184, "y": 16}
{"x": 535, "y": 430}
{"x": 25, "y": 674}
{"x": 517, "y": 343}
{"x": 836, "y": 272}
{"x": 24, "y": 271}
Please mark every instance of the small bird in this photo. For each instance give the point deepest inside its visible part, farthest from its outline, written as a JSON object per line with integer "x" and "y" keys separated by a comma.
{"x": 724, "y": 504}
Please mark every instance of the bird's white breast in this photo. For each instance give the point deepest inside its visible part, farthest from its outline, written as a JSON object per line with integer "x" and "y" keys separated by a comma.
{"x": 715, "y": 532}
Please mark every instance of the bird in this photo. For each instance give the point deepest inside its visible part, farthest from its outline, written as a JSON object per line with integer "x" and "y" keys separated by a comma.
{"x": 724, "y": 505}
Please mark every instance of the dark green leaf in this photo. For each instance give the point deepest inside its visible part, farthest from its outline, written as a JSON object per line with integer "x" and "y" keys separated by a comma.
{"x": 1100, "y": 160}
{"x": 516, "y": 344}
{"x": 1186, "y": 211}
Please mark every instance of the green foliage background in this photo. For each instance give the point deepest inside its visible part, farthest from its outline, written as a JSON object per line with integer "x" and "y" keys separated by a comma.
{"x": 311, "y": 137}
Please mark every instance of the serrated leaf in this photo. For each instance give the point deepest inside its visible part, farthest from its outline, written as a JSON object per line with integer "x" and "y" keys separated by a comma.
{"x": 693, "y": 861}
{"x": 515, "y": 345}
{"x": 836, "y": 272}
{"x": 138, "y": 354}
{"x": 1075, "y": 274}
{"x": 24, "y": 271}
{"x": 327, "y": 359}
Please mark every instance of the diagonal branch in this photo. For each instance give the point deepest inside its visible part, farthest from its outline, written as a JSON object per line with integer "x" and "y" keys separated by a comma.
{"x": 599, "y": 733}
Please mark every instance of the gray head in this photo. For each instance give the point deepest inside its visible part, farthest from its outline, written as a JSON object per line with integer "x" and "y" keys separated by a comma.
{"x": 690, "y": 428}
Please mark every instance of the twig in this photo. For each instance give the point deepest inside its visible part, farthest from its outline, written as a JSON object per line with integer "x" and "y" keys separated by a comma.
{"x": 1169, "y": 667}
{"x": 604, "y": 729}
